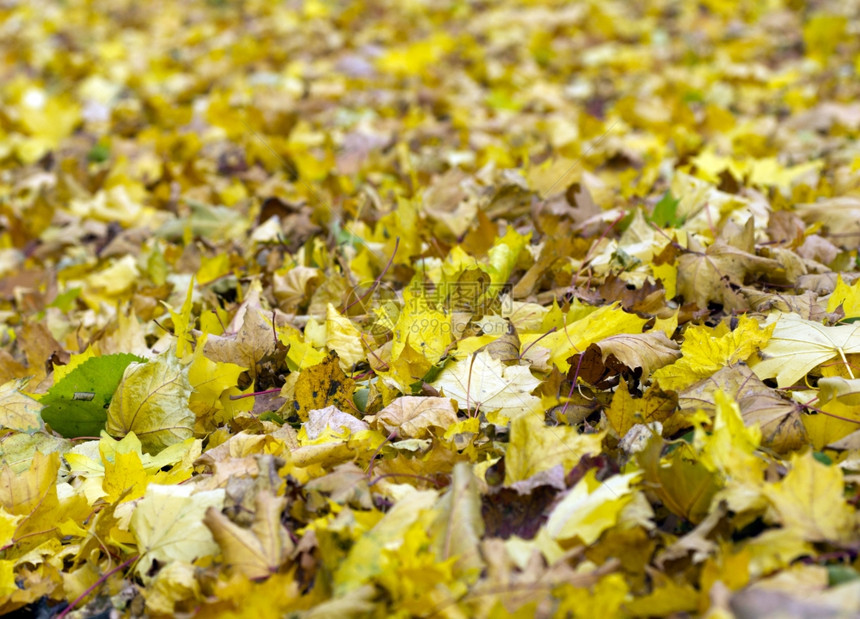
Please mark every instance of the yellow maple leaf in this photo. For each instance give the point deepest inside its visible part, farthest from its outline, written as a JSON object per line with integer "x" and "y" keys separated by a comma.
{"x": 810, "y": 500}
{"x": 209, "y": 380}
{"x": 416, "y": 58}
{"x": 848, "y": 297}
{"x": 365, "y": 559}
{"x": 706, "y": 350}
{"x": 152, "y": 402}
{"x": 17, "y": 410}
{"x": 591, "y": 507}
{"x": 183, "y": 323}
{"x": 262, "y": 549}
{"x": 482, "y": 382}
{"x": 535, "y": 447}
{"x": 428, "y": 330}
{"x": 729, "y": 449}
{"x": 344, "y": 338}
{"x": 575, "y": 337}
{"x": 797, "y": 346}
{"x": 412, "y": 417}
{"x": 168, "y": 525}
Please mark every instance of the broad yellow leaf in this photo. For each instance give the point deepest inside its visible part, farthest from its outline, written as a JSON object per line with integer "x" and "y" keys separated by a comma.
{"x": 810, "y": 500}
{"x": 536, "y": 447}
{"x": 797, "y": 346}
{"x": 481, "y": 382}
{"x": 168, "y": 525}
{"x": 152, "y": 402}
{"x": 591, "y": 507}
{"x": 413, "y": 417}
{"x": 364, "y": 561}
{"x": 262, "y": 549}
{"x": 458, "y": 526}
{"x": 649, "y": 351}
{"x": 176, "y": 582}
{"x": 575, "y": 337}
{"x": 344, "y": 338}
{"x": 323, "y": 385}
{"x": 18, "y": 411}
{"x": 706, "y": 350}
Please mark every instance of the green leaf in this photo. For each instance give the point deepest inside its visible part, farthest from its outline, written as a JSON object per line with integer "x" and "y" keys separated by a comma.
{"x": 823, "y": 458}
{"x": 65, "y": 301}
{"x": 840, "y": 574}
{"x": 99, "y": 153}
{"x": 665, "y": 212}
{"x": 77, "y": 405}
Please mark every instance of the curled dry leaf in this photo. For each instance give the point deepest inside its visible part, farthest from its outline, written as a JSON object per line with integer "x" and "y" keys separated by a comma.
{"x": 649, "y": 351}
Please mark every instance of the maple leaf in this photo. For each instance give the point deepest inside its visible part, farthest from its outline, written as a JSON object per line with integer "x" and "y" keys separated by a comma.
{"x": 798, "y": 346}
{"x": 17, "y": 410}
{"x": 249, "y": 338}
{"x": 535, "y": 448}
{"x": 649, "y": 351}
{"x": 810, "y": 500}
{"x": 591, "y": 507}
{"x": 412, "y": 417}
{"x": 482, "y": 382}
{"x": 323, "y": 385}
{"x": 778, "y": 417}
{"x": 458, "y": 526}
{"x": 152, "y": 402}
{"x": 259, "y": 551}
{"x": 705, "y": 351}
{"x": 168, "y": 525}
{"x": 594, "y": 327}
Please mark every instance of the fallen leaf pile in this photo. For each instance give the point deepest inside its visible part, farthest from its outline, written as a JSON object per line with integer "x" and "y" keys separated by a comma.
{"x": 392, "y": 309}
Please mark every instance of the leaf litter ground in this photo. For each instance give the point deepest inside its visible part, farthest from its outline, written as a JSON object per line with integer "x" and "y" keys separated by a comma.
{"x": 406, "y": 309}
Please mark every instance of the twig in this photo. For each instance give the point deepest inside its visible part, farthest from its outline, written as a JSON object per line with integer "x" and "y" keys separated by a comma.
{"x": 95, "y": 586}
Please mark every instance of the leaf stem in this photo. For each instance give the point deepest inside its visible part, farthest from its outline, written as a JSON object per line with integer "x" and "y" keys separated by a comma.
{"x": 255, "y": 394}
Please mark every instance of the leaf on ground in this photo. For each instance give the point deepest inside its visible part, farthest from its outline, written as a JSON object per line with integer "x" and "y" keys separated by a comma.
{"x": 710, "y": 276}
{"x": 575, "y": 337}
{"x": 414, "y": 417}
{"x": 17, "y": 410}
{"x": 458, "y": 527}
{"x": 625, "y": 411}
{"x": 249, "y": 338}
{"x": 591, "y": 507}
{"x": 798, "y": 346}
{"x": 323, "y": 385}
{"x": 363, "y": 561}
{"x": 536, "y": 447}
{"x": 706, "y": 350}
{"x": 811, "y": 501}
{"x": 649, "y": 351}
{"x": 77, "y": 404}
{"x": 152, "y": 402}
{"x": 343, "y": 338}
{"x": 480, "y": 382}
{"x": 779, "y": 418}
{"x": 258, "y": 551}
{"x": 168, "y": 525}
{"x": 331, "y": 420}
